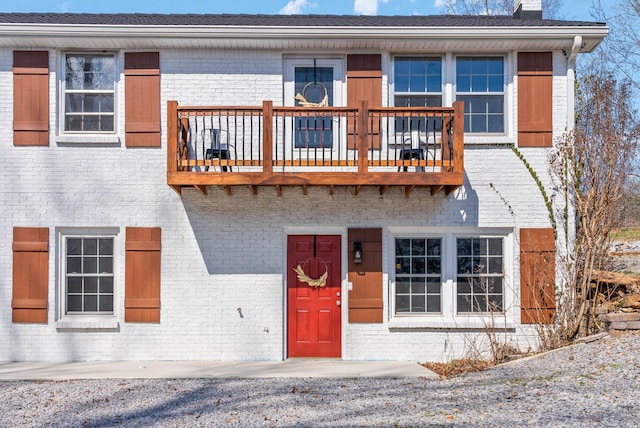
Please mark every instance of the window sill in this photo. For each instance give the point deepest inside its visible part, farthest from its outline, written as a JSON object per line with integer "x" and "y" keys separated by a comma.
{"x": 441, "y": 323}
{"x": 487, "y": 139}
{"x": 86, "y": 323}
{"x": 88, "y": 139}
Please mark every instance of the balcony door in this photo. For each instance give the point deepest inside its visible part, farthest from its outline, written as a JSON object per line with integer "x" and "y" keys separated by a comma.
{"x": 313, "y": 83}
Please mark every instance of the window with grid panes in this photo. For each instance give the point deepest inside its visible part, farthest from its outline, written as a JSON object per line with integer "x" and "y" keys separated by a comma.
{"x": 417, "y": 83}
{"x": 418, "y": 275}
{"x": 480, "y": 85}
{"x": 88, "y": 275}
{"x": 480, "y": 275}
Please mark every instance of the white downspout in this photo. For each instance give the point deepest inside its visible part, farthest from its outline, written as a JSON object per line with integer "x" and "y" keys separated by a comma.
{"x": 571, "y": 82}
{"x": 571, "y": 120}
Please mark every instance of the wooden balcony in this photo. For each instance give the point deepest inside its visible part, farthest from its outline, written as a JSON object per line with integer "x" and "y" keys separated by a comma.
{"x": 306, "y": 146}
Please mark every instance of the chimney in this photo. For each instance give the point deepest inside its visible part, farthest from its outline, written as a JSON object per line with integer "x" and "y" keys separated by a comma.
{"x": 527, "y": 9}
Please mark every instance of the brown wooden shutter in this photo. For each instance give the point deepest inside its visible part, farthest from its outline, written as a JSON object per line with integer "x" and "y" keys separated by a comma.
{"x": 142, "y": 274}
{"x": 537, "y": 275}
{"x": 30, "y": 98}
{"x": 364, "y": 82}
{"x": 30, "y": 274}
{"x": 365, "y": 297}
{"x": 142, "y": 99}
{"x": 535, "y": 83}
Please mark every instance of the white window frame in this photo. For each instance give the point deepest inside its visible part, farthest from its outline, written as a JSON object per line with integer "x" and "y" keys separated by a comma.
{"x": 480, "y": 277}
{"x": 415, "y": 138}
{"x": 449, "y": 317}
{"x": 502, "y": 94}
{"x": 92, "y": 137}
{"x": 90, "y": 320}
{"x": 449, "y": 90}
{"x": 441, "y": 93}
{"x": 426, "y": 275}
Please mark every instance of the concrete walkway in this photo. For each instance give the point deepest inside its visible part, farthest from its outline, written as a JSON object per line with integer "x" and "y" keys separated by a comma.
{"x": 300, "y": 367}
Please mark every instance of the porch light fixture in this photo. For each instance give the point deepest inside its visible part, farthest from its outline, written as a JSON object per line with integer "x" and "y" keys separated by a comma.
{"x": 357, "y": 252}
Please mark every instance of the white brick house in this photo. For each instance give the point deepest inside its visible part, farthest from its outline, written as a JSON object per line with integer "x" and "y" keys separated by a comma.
{"x": 162, "y": 182}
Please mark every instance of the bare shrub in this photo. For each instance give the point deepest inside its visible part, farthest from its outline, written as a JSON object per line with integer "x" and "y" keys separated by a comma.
{"x": 592, "y": 165}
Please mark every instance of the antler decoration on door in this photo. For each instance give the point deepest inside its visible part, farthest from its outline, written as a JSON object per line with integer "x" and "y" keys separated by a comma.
{"x": 314, "y": 283}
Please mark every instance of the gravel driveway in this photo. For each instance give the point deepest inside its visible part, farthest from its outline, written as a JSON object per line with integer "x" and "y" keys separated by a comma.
{"x": 595, "y": 384}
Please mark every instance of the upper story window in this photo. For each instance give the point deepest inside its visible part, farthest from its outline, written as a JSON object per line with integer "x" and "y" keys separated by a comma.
{"x": 480, "y": 84}
{"x": 417, "y": 83}
{"x": 89, "y": 93}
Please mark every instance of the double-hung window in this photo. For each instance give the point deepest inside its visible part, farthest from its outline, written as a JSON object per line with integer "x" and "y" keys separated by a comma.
{"x": 417, "y": 83}
{"x": 88, "y": 275}
{"x": 480, "y": 275}
{"x": 480, "y": 84}
{"x": 89, "y": 93}
{"x": 418, "y": 275}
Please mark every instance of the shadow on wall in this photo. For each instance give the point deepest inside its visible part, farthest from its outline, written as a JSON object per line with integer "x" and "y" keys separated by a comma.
{"x": 235, "y": 235}
{"x": 245, "y": 234}
{"x": 464, "y": 206}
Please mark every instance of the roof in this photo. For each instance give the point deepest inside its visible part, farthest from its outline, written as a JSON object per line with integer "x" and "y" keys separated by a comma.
{"x": 137, "y": 19}
{"x": 434, "y": 33}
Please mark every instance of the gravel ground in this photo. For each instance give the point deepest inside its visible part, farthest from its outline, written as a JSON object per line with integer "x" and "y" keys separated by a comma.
{"x": 593, "y": 384}
{"x": 625, "y": 257}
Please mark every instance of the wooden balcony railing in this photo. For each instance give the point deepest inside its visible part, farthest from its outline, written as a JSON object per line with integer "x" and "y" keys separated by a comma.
{"x": 328, "y": 146}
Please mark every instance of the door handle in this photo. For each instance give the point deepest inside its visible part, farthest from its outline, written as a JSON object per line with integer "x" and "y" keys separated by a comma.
{"x": 338, "y": 302}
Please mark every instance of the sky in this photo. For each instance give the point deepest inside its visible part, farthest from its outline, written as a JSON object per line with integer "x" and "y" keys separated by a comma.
{"x": 572, "y": 9}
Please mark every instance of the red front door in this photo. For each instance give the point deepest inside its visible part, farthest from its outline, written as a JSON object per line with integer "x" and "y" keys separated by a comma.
{"x": 313, "y": 312}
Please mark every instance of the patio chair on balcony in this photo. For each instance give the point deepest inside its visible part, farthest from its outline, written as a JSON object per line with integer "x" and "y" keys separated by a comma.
{"x": 217, "y": 149}
{"x": 412, "y": 150}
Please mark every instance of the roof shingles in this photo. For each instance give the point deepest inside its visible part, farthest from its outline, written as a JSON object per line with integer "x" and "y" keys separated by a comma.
{"x": 241, "y": 20}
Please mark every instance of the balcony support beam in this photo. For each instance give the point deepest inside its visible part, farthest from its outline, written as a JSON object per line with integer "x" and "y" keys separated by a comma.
{"x": 408, "y": 190}
{"x": 436, "y": 189}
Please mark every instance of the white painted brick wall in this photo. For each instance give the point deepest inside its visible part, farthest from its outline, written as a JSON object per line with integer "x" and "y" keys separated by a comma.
{"x": 221, "y": 253}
